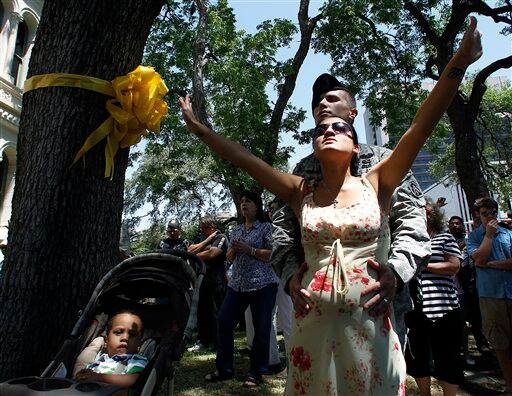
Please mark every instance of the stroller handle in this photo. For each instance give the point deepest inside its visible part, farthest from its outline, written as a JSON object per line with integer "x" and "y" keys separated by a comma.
{"x": 201, "y": 267}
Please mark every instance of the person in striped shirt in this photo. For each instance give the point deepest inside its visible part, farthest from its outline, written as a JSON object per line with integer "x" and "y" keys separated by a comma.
{"x": 435, "y": 331}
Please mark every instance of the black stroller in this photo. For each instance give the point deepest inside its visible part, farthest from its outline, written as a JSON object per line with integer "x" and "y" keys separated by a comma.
{"x": 163, "y": 288}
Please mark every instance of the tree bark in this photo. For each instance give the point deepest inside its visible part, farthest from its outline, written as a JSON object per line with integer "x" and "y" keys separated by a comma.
{"x": 467, "y": 162}
{"x": 307, "y": 26}
{"x": 65, "y": 224}
{"x": 462, "y": 112}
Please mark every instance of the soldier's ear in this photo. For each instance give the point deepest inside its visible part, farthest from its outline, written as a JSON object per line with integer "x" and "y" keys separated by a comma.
{"x": 353, "y": 114}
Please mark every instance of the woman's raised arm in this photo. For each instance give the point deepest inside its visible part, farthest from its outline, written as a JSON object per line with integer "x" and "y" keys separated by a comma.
{"x": 392, "y": 170}
{"x": 284, "y": 185}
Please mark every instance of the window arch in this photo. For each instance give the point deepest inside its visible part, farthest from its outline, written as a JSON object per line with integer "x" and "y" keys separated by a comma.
{"x": 4, "y": 168}
{"x": 19, "y": 51}
{"x": 2, "y": 12}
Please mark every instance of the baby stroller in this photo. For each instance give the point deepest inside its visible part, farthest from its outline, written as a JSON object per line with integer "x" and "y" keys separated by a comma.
{"x": 163, "y": 288}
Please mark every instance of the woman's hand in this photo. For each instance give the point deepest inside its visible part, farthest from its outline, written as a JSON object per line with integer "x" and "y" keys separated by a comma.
{"x": 212, "y": 235}
{"x": 193, "y": 124}
{"x": 470, "y": 48}
{"x": 241, "y": 247}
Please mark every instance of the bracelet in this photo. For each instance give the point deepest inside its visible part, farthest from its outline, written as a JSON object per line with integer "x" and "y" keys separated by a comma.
{"x": 253, "y": 251}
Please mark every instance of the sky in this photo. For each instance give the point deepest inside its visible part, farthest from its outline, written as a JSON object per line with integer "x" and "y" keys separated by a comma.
{"x": 250, "y": 13}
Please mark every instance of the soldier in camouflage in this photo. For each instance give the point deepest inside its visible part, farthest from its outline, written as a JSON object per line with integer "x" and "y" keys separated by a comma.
{"x": 410, "y": 243}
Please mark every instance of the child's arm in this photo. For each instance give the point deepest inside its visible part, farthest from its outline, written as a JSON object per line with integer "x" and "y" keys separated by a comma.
{"x": 123, "y": 380}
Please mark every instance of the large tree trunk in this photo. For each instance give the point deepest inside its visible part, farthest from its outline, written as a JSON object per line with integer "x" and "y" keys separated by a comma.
{"x": 467, "y": 161}
{"x": 65, "y": 224}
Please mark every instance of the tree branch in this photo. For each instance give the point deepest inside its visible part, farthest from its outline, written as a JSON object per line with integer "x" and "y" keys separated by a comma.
{"x": 431, "y": 61}
{"x": 198, "y": 97}
{"x": 376, "y": 33}
{"x": 425, "y": 27}
{"x": 483, "y": 8}
{"x": 478, "y": 90}
{"x": 459, "y": 13}
{"x": 307, "y": 26}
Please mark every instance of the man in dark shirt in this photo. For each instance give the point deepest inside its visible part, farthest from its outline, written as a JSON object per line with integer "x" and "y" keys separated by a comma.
{"x": 212, "y": 250}
{"x": 173, "y": 240}
{"x": 468, "y": 298}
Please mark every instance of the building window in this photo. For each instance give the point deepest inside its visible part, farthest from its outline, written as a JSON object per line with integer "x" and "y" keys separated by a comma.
{"x": 4, "y": 167}
{"x": 1, "y": 15}
{"x": 19, "y": 52}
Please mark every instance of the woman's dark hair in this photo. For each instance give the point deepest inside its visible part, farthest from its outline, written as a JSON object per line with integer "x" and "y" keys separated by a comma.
{"x": 354, "y": 162}
{"x": 208, "y": 221}
{"x": 256, "y": 199}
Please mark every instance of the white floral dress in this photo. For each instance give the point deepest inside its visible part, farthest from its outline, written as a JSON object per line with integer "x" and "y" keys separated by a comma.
{"x": 338, "y": 348}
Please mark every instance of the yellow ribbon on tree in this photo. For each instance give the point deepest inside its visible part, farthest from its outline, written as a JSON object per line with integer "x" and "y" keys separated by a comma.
{"x": 136, "y": 108}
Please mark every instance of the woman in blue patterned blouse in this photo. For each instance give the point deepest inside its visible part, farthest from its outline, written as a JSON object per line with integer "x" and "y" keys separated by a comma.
{"x": 252, "y": 283}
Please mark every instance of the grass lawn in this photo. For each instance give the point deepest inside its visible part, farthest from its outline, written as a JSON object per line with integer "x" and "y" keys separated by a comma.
{"x": 482, "y": 379}
{"x": 194, "y": 366}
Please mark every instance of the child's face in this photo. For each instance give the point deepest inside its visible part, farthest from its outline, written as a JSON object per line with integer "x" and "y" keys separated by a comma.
{"x": 125, "y": 334}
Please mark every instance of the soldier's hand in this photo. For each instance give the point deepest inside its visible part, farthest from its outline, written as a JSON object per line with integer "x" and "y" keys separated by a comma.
{"x": 491, "y": 228}
{"x": 384, "y": 289}
{"x": 301, "y": 298}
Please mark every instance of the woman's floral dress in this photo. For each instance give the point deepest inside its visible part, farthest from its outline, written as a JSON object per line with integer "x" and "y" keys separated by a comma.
{"x": 338, "y": 348}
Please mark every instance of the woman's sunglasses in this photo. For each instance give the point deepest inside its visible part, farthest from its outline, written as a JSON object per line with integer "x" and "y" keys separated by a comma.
{"x": 339, "y": 128}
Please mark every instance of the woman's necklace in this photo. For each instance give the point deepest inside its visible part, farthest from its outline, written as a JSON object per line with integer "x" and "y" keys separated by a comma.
{"x": 335, "y": 200}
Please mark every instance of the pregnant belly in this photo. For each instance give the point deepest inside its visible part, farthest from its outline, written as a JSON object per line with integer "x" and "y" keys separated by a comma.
{"x": 330, "y": 287}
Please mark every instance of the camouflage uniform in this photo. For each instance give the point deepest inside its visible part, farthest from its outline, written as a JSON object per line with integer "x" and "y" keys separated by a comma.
{"x": 410, "y": 247}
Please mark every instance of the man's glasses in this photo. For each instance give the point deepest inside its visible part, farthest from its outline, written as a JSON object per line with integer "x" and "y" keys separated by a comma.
{"x": 339, "y": 128}
{"x": 486, "y": 213}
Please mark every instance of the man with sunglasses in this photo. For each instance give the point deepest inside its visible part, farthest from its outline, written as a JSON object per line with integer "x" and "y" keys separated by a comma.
{"x": 410, "y": 249}
{"x": 173, "y": 240}
{"x": 491, "y": 247}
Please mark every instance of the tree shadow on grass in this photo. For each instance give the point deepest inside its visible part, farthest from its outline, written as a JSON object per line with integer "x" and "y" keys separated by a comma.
{"x": 190, "y": 373}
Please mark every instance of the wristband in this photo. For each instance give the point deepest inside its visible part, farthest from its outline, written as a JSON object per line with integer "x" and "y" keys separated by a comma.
{"x": 253, "y": 251}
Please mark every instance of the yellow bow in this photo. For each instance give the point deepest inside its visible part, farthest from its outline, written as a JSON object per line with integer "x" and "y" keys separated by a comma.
{"x": 138, "y": 106}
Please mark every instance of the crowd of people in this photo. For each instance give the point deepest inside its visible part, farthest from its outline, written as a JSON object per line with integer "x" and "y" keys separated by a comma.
{"x": 365, "y": 233}
{"x": 368, "y": 281}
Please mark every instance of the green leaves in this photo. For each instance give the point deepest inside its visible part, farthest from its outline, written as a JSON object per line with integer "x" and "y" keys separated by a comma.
{"x": 384, "y": 50}
{"x": 176, "y": 174}
{"x": 376, "y": 52}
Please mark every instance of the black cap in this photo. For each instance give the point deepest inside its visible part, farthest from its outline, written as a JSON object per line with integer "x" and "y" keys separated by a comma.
{"x": 324, "y": 83}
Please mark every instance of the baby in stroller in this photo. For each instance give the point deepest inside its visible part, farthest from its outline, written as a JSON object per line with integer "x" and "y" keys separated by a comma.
{"x": 119, "y": 364}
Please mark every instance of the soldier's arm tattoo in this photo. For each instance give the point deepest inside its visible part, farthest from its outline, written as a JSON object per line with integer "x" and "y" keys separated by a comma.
{"x": 455, "y": 72}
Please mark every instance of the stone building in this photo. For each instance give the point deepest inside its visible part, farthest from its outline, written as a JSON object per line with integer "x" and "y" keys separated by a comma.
{"x": 18, "y": 25}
